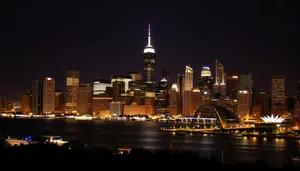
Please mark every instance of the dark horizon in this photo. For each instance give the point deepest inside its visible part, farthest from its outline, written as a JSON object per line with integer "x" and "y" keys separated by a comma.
{"x": 40, "y": 39}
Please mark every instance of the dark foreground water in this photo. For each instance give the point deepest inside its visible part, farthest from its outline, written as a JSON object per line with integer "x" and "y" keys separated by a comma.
{"x": 146, "y": 134}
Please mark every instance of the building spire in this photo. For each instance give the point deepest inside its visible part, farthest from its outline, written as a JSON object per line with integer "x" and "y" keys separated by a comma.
{"x": 149, "y": 37}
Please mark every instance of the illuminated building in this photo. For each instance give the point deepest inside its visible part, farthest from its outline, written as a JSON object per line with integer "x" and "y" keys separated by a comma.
{"x": 59, "y": 102}
{"x": 26, "y": 103}
{"x": 138, "y": 88}
{"x": 84, "y": 99}
{"x": 219, "y": 86}
{"x": 180, "y": 87}
{"x": 162, "y": 95}
{"x": 243, "y": 103}
{"x": 278, "y": 90}
{"x": 260, "y": 105}
{"x": 272, "y": 119}
{"x": 116, "y": 108}
{"x": 135, "y": 76}
{"x": 223, "y": 117}
{"x": 48, "y": 95}
{"x": 298, "y": 90}
{"x": 100, "y": 104}
{"x": 72, "y": 84}
{"x": 187, "y": 92}
{"x": 232, "y": 83}
{"x": 205, "y": 82}
{"x": 278, "y": 94}
{"x": 99, "y": 86}
{"x": 196, "y": 99}
{"x": 174, "y": 100}
{"x": 3, "y": 104}
{"x": 120, "y": 84}
{"x": 135, "y": 109}
{"x": 37, "y": 97}
{"x": 149, "y": 58}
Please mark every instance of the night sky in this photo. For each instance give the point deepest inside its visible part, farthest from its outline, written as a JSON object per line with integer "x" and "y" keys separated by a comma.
{"x": 47, "y": 38}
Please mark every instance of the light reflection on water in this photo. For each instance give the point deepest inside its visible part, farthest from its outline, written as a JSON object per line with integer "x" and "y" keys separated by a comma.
{"x": 147, "y": 135}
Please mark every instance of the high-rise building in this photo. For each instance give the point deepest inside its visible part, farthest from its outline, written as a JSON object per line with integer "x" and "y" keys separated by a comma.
{"x": 205, "y": 82}
{"x": 72, "y": 84}
{"x": 232, "y": 83}
{"x": 135, "y": 76}
{"x": 149, "y": 58}
{"x": 122, "y": 81}
{"x": 59, "y": 102}
{"x": 3, "y": 104}
{"x": 48, "y": 95}
{"x": 99, "y": 86}
{"x": 278, "y": 90}
{"x": 37, "y": 97}
{"x": 187, "y": 91}
{"x": 220, "y": 86}
{"x": 180, "y": 88}
{"x": 85, "y": 99}
{"x": 26, "y": 103}
{"x": 243, "y": 103}
{"x": 116, "y": 108}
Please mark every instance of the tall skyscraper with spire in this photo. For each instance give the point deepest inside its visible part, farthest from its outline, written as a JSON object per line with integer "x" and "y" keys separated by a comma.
{"x": 149, "y": 58}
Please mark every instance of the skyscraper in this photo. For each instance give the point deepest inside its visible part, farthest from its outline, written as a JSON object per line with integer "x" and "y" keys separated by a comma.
{"x": 37, "y": 97}
{"x": 72, "y": 84}
{"x": 26, "y": 103}
{"x": 187, "y": 91}
{"x": 205, "y": 82}
{"x": 48, "y": 95}
{"x": 85, "y": 99}
{"x": 220, "y": 86}
{"x": 149, "y": 58}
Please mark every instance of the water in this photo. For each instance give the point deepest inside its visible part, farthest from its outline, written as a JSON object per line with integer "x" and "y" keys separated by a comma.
{"x": 116, "y": 134}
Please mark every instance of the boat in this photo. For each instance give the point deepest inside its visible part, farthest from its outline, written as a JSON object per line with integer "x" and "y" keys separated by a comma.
{"x": 18, "y": 141}
{"x": 55, "y": 140}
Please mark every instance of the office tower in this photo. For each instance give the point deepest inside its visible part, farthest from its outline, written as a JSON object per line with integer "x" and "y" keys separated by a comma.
{"x": 135, "y": 76}
{"x": 232, "y": 84}
{"x": 278, "y": 94}
{"x": 122, "y": 80}
{"x": 180, "y": 88}
{"x": 205, "y": 82}
{"x": 99, "y": 86}
{"x": 243, "y": 103}
{"x": 37, "y": 97}
{"x": 100, "y": 104}
{"x": 26, "y": 103}
{"x": 149, "y": 58}
{"x": 3, "y": 104}
{"x": 84, "y": 99}
{"x": 116, "y": 108}
{"x": 59, "y": 102}
{"x": 162, "y": 97}
{"x": 196, "y": 99}
{"x": 278, "y": 89}
{"x": 72, "y": 84}
{"x": 48, "y": 95}
{"x": 219, "y": 86}
{"x": 165, "y": 74}
{"x": 187, "y": 91}
{"x": 259, "y": 105}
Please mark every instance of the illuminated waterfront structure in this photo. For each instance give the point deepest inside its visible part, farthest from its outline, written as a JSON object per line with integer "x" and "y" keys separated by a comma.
{"x": 272, "y": 119}
{"x": 72, "y": 84}
{"x": 149, "y": 58}
{"x": 217, "y": 115}
{"x": 59, "y": 102}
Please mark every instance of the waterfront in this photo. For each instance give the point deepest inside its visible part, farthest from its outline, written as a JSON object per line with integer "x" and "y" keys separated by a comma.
{"x": 116, "y": 134}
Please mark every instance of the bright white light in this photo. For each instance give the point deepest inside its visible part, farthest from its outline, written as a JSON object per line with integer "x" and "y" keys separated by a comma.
{"x": 149, "y": 50}
{"x": 272, "y": 119}
{"x": 48, "y": 78}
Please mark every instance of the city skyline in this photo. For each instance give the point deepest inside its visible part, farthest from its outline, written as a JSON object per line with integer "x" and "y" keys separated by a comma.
{"x": 248, "y": 42}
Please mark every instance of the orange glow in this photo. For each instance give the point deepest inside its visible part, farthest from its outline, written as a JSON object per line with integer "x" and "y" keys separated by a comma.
{"x": 236, "y": 77}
